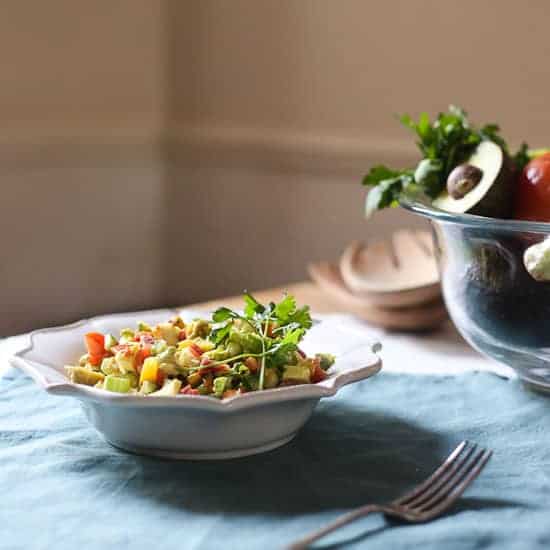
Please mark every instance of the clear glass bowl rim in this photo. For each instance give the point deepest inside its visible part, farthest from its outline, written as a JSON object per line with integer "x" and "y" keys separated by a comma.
{"x": 471, "y": 220}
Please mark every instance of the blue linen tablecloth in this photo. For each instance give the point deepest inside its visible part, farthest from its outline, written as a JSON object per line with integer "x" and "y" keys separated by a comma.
{"x": 62, "y": 487}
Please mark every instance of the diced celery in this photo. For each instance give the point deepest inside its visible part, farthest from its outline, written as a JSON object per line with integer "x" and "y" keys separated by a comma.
{"x": 144, "y": 327}
{"x": 126, "y": 335}
{"x": 116, "y": 384}
{"x": 110, "y": 341}
{"x": 241, "y": 368}
{"x": 168, "y": 355}
{"x": 221, "y": 384}
{"x": 158, "y": 347}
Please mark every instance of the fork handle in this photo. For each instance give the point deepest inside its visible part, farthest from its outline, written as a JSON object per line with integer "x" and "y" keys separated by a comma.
{"x": 335, "y": 525}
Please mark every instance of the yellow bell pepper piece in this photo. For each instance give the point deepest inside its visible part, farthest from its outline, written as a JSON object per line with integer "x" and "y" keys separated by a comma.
{"x": 205, "y": 345}
{"x": 202, "y": 343}
{"x": 184, "y": 344}
{"x": 150, "y": 370}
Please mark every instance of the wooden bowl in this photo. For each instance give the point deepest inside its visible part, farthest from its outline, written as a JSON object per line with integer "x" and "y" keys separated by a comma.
{"x": 416, "y": 318}
{"x": 397, "y": 273}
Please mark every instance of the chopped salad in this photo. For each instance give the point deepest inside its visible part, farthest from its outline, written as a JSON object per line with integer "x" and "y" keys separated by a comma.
{"x": 227, "y": 355}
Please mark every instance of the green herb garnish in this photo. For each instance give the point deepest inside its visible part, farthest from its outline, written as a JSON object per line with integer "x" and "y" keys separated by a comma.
{"x": 279, "y": 327}
{"x": 444, "y": 143}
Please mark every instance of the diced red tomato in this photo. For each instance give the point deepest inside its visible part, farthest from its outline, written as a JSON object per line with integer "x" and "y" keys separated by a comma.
{"x": 120, "y": 347}
{"x": 533, "y": 191}
{"x": 182, "y": 335}
{"x": 189, "y": 390}
{"x": 95, "y": 359}
{"x": 95, "y": 343}
{"x": 318, "y": 374}
{"x": 144, "y": 337}
{"x": 206, "y": 361}
{"x": 141, "y": 355}
{"x": 195, "y": 350}
{"x": 208, "y": 382}
{"x": 160, "y": 378}
{"x": 216, "y": 369}
{"x": 252, "y": 364}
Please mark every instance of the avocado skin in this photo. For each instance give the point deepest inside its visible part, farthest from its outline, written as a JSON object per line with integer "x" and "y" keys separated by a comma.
{"x": 498, "y": 202}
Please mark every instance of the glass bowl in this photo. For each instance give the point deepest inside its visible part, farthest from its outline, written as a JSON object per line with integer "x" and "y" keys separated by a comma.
{"x": 494, "y": 302}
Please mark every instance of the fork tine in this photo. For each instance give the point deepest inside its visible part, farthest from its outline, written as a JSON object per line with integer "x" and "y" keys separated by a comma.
{"x": 455, "y": 481}
{"x": 443, "y": 479}
{"x": 461, "y": 484}
{"x": 440, "y": 471}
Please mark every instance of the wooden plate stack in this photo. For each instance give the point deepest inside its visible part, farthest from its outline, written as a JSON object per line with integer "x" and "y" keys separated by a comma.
{"x": 393, "y": 284}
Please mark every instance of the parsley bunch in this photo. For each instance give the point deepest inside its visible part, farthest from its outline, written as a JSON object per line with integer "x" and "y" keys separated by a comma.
{"x": 444, "y": 144}
{"x": 278, "y": 327}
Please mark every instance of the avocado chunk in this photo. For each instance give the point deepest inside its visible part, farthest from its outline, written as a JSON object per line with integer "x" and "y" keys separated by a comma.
{"x": 297, "y": 374}
{"x": 82, "y": 375}
{"x": 171, "y": 387}
{"x": 271, "y": 378}
{"x": 148, "y": 387}
{"x": 483, "y": 185}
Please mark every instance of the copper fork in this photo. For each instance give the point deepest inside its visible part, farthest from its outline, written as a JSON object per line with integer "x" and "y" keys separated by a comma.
{"x": 426, "y": 501}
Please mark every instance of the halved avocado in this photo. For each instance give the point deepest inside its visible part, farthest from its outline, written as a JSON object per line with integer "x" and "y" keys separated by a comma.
{"x": 484, "y": 185}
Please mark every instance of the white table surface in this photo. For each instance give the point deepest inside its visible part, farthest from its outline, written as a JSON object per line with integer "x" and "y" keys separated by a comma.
{"x": 441, "y": 352}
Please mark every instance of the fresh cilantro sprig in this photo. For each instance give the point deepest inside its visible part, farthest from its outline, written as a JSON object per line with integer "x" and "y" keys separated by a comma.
{"x": 280, "y": 326}
{"x": 444, "y": 143}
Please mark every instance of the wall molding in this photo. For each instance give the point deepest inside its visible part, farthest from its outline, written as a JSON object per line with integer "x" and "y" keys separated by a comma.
{"x": 284, "y": 151}
{"x": 32, "y": 148}
{"x": 264, "y": 149}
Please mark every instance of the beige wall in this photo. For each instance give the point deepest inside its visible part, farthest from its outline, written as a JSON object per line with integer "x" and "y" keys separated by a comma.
{"x": 77, "y": 241}
{"x": 155, "y": 152}
{"x": 71, "y": 68}
{"x": 341, "y": 69}
{"x": 247, "y": 229}
{"x": 82, "y": 107}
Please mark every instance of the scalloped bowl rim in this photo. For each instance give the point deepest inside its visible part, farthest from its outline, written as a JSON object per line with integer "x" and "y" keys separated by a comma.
{"x": 56, "y": 383}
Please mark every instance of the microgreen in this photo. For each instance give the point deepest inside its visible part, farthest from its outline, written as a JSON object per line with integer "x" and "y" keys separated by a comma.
{"x": 280, "y": 326}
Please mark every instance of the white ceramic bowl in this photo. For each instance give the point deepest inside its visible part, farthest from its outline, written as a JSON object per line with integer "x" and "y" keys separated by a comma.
{"x": 194, "y": 427}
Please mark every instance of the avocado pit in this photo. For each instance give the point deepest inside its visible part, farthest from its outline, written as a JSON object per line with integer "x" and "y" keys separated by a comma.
{"x": 463, "y": 179}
